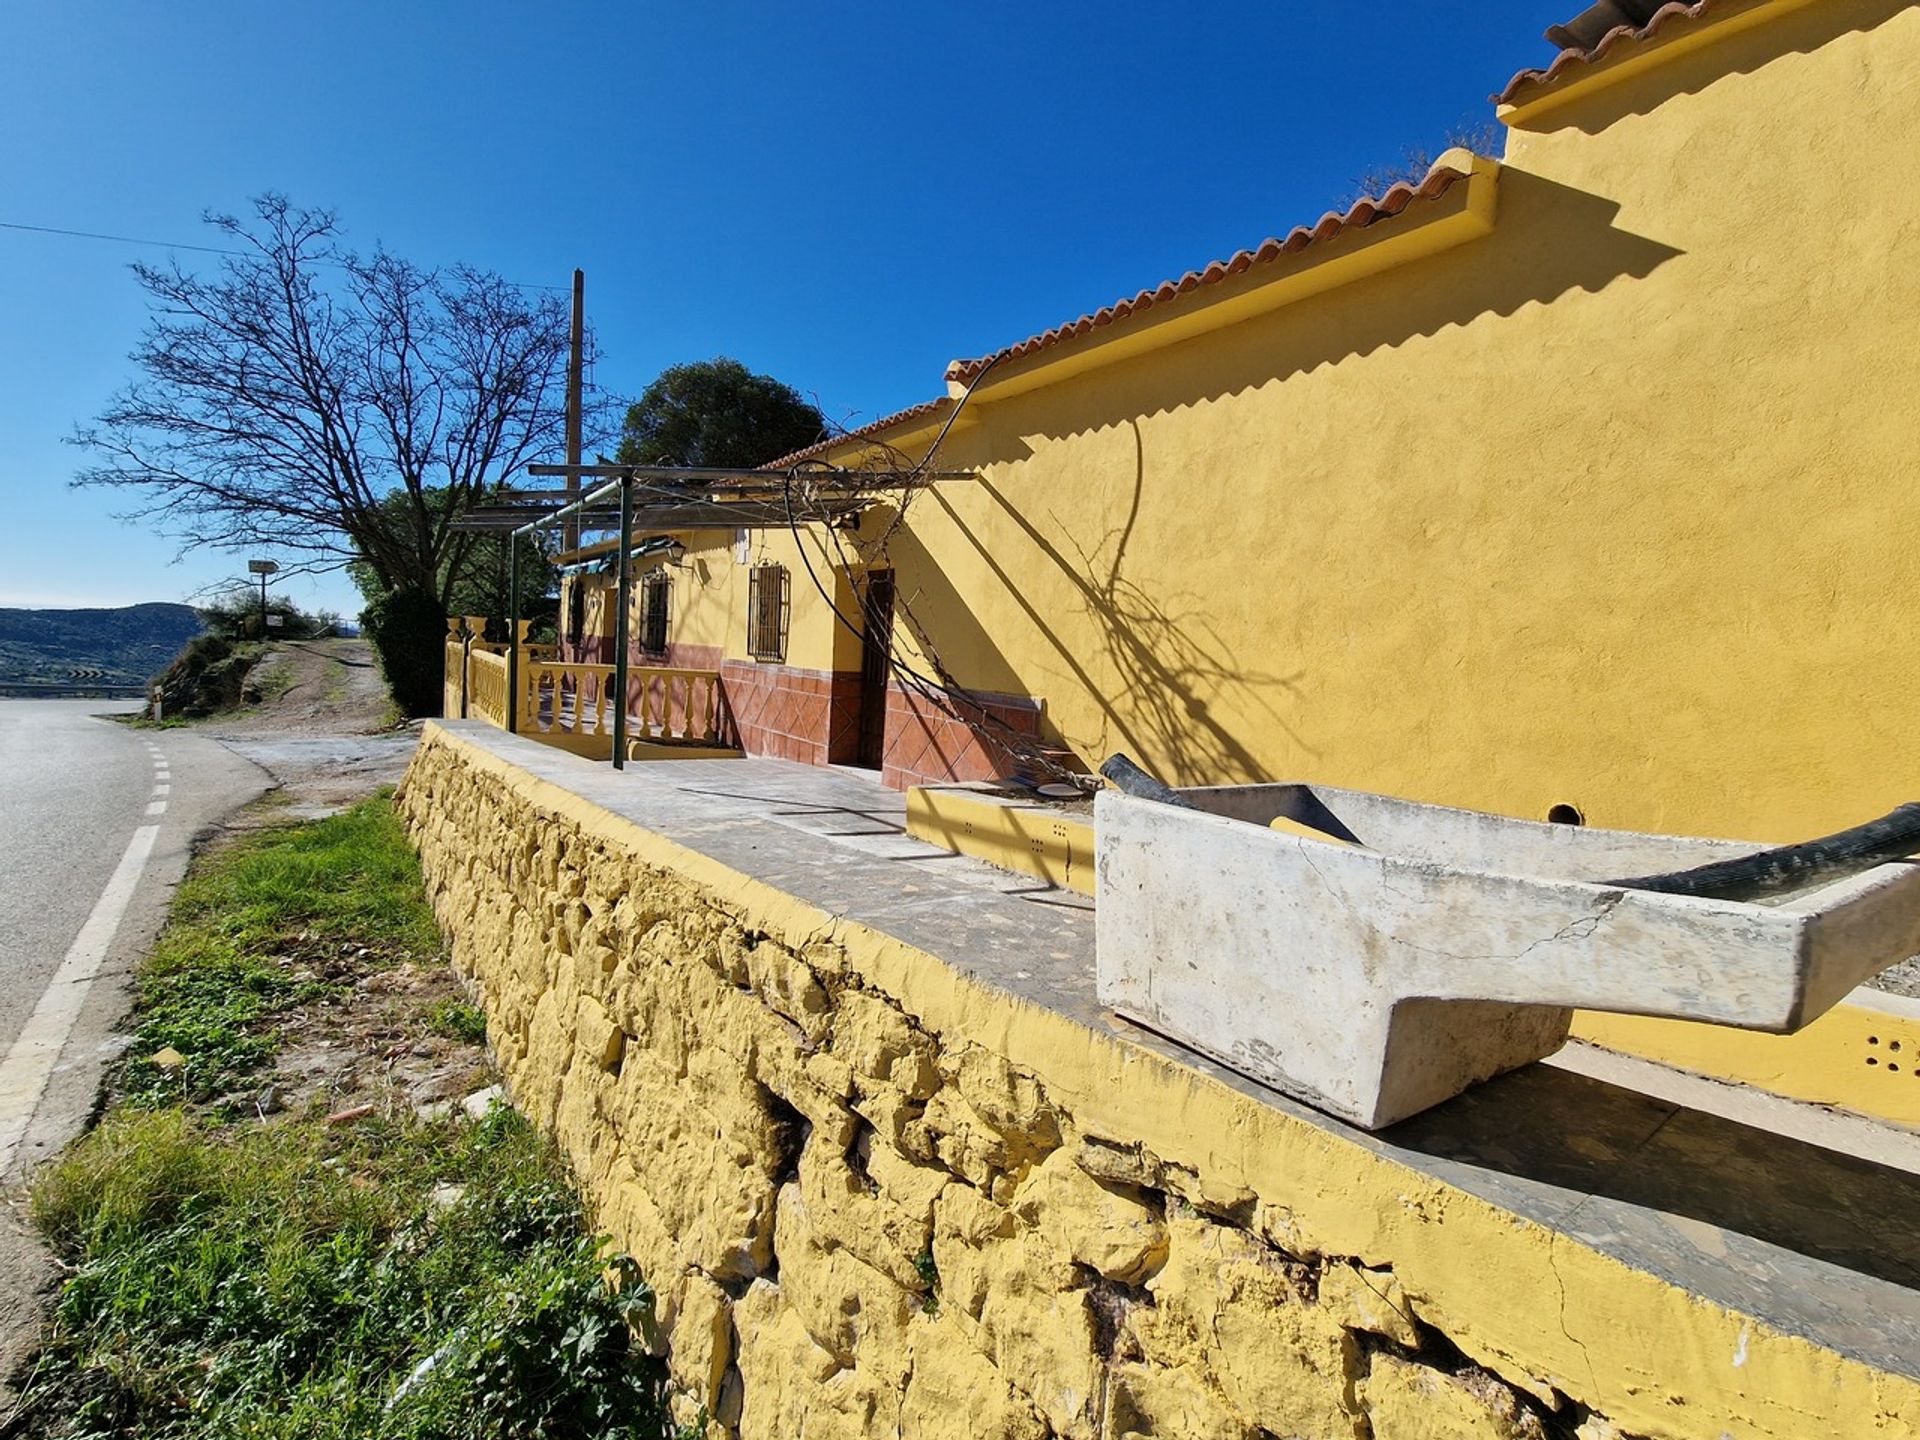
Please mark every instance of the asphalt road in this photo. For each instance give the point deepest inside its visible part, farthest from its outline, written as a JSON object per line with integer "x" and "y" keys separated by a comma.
{"x": 97, "y": 822}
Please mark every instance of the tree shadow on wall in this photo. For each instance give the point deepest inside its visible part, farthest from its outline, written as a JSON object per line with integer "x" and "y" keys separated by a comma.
{"x": 1169, "y": 668}
{"x": 1168, "y": 686}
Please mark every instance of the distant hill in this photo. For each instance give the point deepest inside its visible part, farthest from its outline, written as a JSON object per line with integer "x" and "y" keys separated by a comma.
{"x": 126, "y": 646}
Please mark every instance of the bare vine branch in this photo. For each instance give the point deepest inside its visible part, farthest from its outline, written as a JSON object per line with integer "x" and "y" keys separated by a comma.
{"x": 895, "y": 478}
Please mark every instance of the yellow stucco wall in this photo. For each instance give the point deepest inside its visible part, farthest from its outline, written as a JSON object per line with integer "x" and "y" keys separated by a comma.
{"x": 705, "y": 612}
{"x": 1614, "y": 506}
{"x": 815, "y": 639}
{"x": 879, "y": 1198}
{"x": 709, "y": 595}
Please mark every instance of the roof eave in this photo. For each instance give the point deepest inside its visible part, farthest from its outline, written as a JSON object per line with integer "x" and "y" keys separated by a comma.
{"x": 888, "y": 432}
{"x": 1464, "y": 211}
{"x": 1575, "y": 77}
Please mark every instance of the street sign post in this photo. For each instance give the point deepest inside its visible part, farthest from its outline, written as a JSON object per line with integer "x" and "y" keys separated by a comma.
{"x": 263, "y": 568}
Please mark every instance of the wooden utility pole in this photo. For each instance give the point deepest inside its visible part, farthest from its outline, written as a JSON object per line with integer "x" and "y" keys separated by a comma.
{"x": 575, "y": 357}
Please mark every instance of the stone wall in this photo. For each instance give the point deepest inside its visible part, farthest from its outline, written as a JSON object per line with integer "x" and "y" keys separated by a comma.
{"x": 871, "y": 1208}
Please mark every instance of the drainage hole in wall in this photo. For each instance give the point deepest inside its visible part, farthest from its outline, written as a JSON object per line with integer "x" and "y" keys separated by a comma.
{"x": 1893, "y": 1069}
{"x": 1872, "y": 1061}
{"x": 1873, "y": 1039}
{"x": 1893, "y": 1045}
{"x": 1564, "y": 814}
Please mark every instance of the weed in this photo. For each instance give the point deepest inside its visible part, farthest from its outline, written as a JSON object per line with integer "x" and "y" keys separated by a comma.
{"x": 272, "y": 682}
{"x": 299, "y": 1281}
{"x": 398, "y": 1279}
{"x": 349, "y": 877}
{"x": 255, "y": 930}
{"x": 459, "y": 1020}
{"x": 143, "y": 722}
{"x": 929, "y": 1274}
{"x": 336, "y": 682}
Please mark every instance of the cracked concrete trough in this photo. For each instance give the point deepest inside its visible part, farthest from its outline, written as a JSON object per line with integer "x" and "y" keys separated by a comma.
{"x": 1381, "y": 956}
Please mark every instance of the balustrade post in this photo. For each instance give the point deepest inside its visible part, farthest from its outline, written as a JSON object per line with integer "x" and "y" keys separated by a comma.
{"x": 446, "y": 674}
{"x": 530, "y": 666}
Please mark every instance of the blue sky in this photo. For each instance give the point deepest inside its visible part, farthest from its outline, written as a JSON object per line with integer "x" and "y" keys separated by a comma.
{"x": 846, "y": 196}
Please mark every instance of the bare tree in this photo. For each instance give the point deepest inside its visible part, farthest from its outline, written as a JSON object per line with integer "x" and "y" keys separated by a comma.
{"x": 332, "y": 407}
{"x": 1487, "y": 137}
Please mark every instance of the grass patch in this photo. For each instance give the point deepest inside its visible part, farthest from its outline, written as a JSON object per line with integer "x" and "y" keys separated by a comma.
{"x": 273, "y": 682}
{"x": 264, "y": 925}
{"x": 350, "y": 876}
{"x": 413, "y": 1281}
{"x": 140, "y": 721}
{"x": 388, "y": 1276}
{"x": 337, "y": 682}
{"x": 459, "y": 1020}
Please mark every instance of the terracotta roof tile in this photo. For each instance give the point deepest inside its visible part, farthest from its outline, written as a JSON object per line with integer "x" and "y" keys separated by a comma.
{"x": 1595, "y": 32}
{"x": 926, "y": 410}
{"x": 1362, "y": 213}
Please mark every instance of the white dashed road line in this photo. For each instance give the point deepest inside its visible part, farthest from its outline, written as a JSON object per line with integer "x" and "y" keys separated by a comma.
{"x": 162, "y": 774}
{"x": 23, "y": 1074}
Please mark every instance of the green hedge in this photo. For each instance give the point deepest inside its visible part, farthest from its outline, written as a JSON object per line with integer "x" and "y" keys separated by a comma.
{"x": 408, "y": 630}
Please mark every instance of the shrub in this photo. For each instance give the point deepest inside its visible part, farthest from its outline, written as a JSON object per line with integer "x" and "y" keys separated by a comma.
{"x": 235, "y": 613}
{"x": 408, "y": 629}
{"x": 207, "y": 676}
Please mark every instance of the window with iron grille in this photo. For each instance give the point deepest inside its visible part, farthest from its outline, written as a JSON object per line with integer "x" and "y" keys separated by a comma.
{"x": 655, "y": 593}
{"x": 767, "y": 612}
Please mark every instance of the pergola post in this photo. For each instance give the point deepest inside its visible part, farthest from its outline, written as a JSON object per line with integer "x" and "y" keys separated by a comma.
{"x": 620, "y": 624}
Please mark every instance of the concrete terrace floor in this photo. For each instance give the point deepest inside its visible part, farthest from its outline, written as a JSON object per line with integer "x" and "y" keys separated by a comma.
{"x": 1806, "y": 1220}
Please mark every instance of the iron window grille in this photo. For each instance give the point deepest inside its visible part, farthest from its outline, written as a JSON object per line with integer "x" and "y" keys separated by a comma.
{"x": 655, "y": 596}
{"x": 768, "y": 601}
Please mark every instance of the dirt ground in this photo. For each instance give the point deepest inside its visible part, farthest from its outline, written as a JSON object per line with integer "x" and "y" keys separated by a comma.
{"x": 326, "y": 733}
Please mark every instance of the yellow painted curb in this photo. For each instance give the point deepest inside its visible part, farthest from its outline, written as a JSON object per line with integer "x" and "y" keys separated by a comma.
{"x": 1029, "y": 839}
{"x": 1859, "y": 1055}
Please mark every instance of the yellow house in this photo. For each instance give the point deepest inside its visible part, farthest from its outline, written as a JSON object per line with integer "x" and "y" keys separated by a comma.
{"x": 1579, "y": 481}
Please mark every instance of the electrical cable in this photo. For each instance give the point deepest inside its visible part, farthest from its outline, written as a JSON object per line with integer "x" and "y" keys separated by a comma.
{"x": 201, "y": 249}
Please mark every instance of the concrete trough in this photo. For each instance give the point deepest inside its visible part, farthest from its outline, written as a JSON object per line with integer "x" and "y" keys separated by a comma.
{"x": 1418, "y": 950}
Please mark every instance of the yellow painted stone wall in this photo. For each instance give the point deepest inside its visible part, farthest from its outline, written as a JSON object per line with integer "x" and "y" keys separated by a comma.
{"x": 876, "y": 1198}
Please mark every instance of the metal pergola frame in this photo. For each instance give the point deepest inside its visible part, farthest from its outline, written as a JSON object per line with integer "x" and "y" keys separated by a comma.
{"x": 676, "y": 498}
